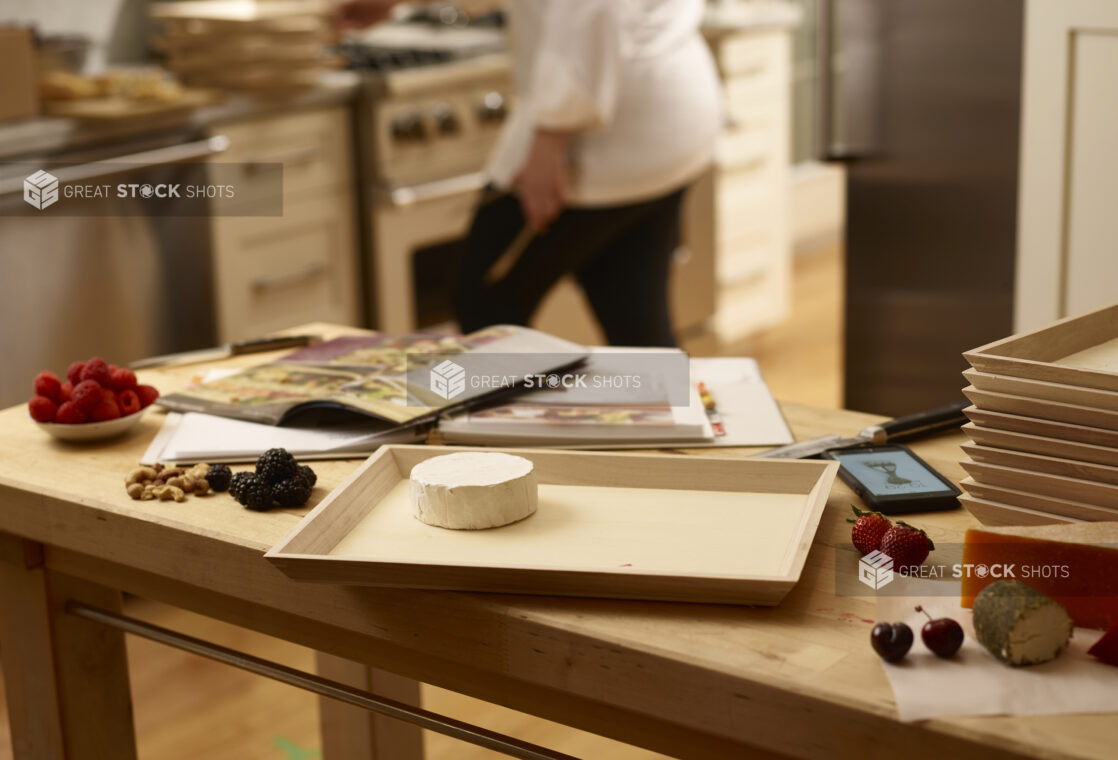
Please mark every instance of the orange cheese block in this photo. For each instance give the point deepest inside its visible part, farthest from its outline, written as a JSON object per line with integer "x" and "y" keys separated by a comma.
{"x": 1076, "y": 564}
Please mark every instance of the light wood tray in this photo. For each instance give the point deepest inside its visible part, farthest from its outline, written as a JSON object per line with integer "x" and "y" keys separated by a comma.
{"x": 1039, "y": 389}
{"x": 1073, "y": 489}
{"x": 1041, "y": 409}
{"x": 1032, "y": 501}
{"x": 116, "y": 108}
{"x": 1039, "y": 444}
{"x": 1100, "y": 473}
{"x": 1056, "y": 353}
{"x": 1066, "y": 431}
{"x": 993, "y": 513}
{"x": 639, "y": 526}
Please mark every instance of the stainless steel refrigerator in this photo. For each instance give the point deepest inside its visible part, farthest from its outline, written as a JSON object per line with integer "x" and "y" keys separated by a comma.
{"x": 921, "y": 100}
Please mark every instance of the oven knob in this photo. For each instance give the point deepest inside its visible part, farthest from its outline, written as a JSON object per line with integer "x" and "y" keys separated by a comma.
{"x": 492, "y": 108}
{"x": 445, "y": 121}
{"x": 408, "y": 128}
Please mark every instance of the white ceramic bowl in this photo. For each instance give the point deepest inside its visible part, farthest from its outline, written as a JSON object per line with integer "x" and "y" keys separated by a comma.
{"x": 92, "y": 431}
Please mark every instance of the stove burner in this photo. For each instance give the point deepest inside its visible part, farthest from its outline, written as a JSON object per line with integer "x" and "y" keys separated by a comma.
{"x": 361, "y": 57}
{"x": 450, "y": 15}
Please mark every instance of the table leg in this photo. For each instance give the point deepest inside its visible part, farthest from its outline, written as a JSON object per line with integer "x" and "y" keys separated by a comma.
{"x": 66, "y": 678}
{"x": 352, "y": 733}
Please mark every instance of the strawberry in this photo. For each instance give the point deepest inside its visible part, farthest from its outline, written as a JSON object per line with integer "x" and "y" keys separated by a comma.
{"x": 907, "y": 546}
{"x": 1106, "y": 648}
{"x": 868, "y": 528}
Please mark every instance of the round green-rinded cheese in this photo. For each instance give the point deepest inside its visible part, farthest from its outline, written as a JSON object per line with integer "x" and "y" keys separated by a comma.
{"x": 1020, "y": 625}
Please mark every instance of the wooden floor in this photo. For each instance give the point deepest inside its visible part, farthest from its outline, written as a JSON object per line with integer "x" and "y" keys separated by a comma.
{"x": 188, "y": 708}
{"x": 801, "y": 359}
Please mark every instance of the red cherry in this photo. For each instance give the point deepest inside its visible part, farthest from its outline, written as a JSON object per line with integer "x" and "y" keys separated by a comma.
{"x": 943, "y": 635}
{"x": 891, "y": 640}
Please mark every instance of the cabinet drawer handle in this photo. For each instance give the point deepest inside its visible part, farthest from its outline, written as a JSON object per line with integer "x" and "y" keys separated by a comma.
{"x": 287, "y": 158}
{"x": 749, "y": 167}
{"x": 306, "y": 273}
{"x": 754, "y": 70}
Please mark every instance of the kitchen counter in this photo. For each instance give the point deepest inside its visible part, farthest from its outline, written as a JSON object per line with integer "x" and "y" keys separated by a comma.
{"x": 45, "y": 135}
{"x": 690, "y": 680}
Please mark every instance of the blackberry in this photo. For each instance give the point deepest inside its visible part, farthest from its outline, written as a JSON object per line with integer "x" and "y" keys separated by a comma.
{"x": 275, "y": 465}
{"x": 237, "y": 484}
{"x": 308, "y": 475}
{"x": 219, "y": 476}
{"x": 292, "y": 492}
{"x": 255, "y": 494}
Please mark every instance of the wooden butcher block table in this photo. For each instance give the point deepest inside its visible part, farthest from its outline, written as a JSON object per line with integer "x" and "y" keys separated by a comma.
{"x": 700, "y": 681}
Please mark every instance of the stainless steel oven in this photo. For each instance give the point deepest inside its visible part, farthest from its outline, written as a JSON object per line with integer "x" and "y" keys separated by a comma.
{"x": 103, "y": 275}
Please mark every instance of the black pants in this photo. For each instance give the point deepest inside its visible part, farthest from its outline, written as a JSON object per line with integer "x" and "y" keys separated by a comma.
{"x": 620, "y": 255}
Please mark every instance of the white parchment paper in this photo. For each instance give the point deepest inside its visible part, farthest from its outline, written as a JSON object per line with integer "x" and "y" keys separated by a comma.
{"x": 974, "y": 682}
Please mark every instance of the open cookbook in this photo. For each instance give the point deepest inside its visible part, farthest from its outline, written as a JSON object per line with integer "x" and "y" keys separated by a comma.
{"x": 729, "y": 405}
{"x": 385, "y": 379}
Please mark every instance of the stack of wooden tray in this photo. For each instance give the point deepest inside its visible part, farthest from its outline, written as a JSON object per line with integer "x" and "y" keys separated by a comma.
{"x": 1044, "y": 425}
{"x": 236, "y": 44}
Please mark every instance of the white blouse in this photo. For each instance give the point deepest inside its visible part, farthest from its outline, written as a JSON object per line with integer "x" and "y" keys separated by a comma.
{"x": 634, "y": 78}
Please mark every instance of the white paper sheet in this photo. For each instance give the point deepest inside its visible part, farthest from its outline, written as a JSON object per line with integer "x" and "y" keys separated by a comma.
{"x": 974, "y": 682}
{"x": 196, "y": 437}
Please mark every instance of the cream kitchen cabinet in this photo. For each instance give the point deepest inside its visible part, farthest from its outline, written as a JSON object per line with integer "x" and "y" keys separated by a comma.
{"x": 274, "y": 272}
{"x": 752, "y": 248}
{"x": 733, "y": 272}
{"x": 1067, "y": 247}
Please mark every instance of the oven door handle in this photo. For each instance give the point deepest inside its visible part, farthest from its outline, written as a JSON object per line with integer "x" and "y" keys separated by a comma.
{"x": 147, "y": 159}
{"x": 431, "y": 191}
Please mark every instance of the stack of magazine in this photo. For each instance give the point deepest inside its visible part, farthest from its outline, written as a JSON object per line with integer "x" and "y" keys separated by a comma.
{"x": 345, "y": 397}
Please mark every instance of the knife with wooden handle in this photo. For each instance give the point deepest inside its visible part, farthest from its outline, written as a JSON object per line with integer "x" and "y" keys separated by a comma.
{"x": 899, "y": 429}
{"x": 229, "y": 349}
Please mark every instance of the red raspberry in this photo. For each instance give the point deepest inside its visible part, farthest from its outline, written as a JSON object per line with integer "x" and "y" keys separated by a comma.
{"x": 128, "y": 402}
{"x": 74, "y": 373}
{"x": 69, "y": 414}
{"x": 147, "y": 394}
{"x": 106, "y": 410}
{"x": 96, "y": 369}
{"x": 86, "y": 395}
{"x": 122, "y": 379}
{"x": 47, "y": 384}
{"x": 108, "y": 395}
{"x": 66, "y": 391}
{"x": 42, "y": 409}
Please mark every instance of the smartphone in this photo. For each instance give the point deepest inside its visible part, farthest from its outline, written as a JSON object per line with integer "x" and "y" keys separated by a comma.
{"x": 893, "y": 480}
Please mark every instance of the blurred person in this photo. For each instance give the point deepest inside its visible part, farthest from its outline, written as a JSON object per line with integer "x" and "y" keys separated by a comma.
{"x": 618, "y": 110}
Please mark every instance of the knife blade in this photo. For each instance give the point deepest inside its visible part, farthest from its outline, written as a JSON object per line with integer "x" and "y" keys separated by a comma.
{"x": 900, "y": 428}
{"x": 215, "y": 353}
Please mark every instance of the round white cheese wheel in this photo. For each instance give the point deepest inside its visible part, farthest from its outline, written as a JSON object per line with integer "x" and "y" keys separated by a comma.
{"x": 473, "y": 490}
